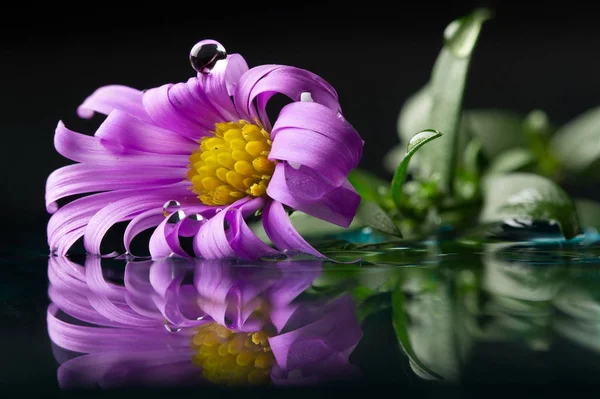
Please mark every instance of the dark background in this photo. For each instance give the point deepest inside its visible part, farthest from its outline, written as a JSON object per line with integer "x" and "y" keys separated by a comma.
{"x": 374, "y": 53}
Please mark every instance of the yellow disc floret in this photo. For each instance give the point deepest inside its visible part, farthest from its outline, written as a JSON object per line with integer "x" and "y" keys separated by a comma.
{"x": 232, "y": 358}
{"x": 231, "y": 164}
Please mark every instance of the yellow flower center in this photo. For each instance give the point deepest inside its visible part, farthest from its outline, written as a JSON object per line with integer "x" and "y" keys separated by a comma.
{"x": 231, "y": 164}
{"x": 232, "y": 358}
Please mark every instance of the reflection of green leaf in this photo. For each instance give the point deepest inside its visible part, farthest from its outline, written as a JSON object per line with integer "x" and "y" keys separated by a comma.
{"x": 511, "y": 161}
{"x": 446, "y": 88}
{"x": 372, "y": 215}
{"x": 588, "y": 212}
{"x": 576, "y": 145}
{"x": 400, "y": 321}
{"x": 498, "y": 130}
{"x": 524, "y": 195}
{"x": 418, "y": 140}
{"x": 369, "y": 186}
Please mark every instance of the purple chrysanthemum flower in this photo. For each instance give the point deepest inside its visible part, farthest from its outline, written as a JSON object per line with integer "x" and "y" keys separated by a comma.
{"x": 231, "y": 325}
{"x": 205, "y": 151}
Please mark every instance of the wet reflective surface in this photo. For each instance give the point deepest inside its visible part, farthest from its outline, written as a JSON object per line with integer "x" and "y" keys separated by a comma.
{"x": 431, "y": 314}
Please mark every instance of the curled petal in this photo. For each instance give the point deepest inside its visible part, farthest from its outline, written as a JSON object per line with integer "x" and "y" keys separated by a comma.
{"x": 315, "y": 333}
{"x": 314, "y": 151}
{"x": 119, "y": 211}
{"x": 281, "y": 231}
{"x": 90, "y": 149}
{"x": 129, "y": 132}
{"x": 215, "y": 241}
{"x": 141, "y": 222}
{"x": 85, "y": 178}
{"x": 165, "y": 239}
{"x": 263, "y": 82}
{"x": 115, "y": 97}
{"x": 220, "y": 83}
{"x": 305, "y": 191}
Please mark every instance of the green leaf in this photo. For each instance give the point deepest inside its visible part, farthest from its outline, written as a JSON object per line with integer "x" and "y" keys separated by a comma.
{"x": 589, "y": 213}
{"x": 576, "y": 145}
{"x": 524, "y": 195}
{"x": 446, "y": 88}
{"x": 416, "y": 142}
{"x": 512, "y": 160}
{"x": 372, "y": 215}
{"x": 461, "y": 35}
{"x": 498, "y": 130}
{"x": 369, "y": 186}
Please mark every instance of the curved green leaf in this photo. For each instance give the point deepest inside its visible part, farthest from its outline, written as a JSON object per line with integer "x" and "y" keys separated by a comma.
{"x": 418, "y": 140}
{"x": 524, "y": 195}
{"x": 446, "y": 88}
{"x": 576, "y": 145}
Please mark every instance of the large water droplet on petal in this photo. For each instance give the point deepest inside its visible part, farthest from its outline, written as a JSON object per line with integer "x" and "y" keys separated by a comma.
{"x": 176, "y": 217}
{"x": 205, "y": 55}
{"x": 421, "y": 136}
{"x": 171, "y": 206}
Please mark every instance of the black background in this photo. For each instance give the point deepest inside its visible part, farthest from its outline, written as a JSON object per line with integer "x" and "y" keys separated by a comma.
{"x": 374, "y": 53}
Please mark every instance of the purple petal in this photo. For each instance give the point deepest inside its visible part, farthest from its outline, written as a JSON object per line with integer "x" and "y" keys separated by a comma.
{"x": 122, "y": 369}
{"x": 213, "y": 241}
{"x": 141, "y": 222}
{"x": 280, "y": 230}
{"x": 304, "y": 190}
{"x": 295, "y": 278}
{"x": 313, "y": 135}
{"x": 263, "y": 82}
{"x": 218, "y": 86}
{"x": 191, "y": 109}
{"x": 96, "y": 282}
{"x": 165, "y": 239}
{"x": 81, "y": 148}
{"x": 119, "y": 211}
{"x": 139, "y": 290}
{"x": 85, "y": 178}
{"x": 129, "y": 132}
{"x": 108, "y": 98}
{"x": 85, "y": 339}
{"x": 334, "y": 325}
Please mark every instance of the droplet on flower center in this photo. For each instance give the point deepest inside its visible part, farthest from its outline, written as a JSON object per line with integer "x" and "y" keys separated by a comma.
{"x": 232, "y": 164}
{"x": 232, "y": 358}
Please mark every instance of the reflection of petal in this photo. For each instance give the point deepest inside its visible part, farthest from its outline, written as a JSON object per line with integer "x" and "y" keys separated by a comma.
{"x": 118, "y": 369}
{"x": 315, "y": 334}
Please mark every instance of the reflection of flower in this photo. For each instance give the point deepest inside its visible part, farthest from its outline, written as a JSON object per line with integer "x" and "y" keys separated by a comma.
{"x": 207, "y": 148}
{"x": 224, "y": 324}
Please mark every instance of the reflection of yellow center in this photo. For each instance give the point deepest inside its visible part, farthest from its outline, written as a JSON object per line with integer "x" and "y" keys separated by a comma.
{"x": 231, "y": 164}
{"x": 232, "y": 358}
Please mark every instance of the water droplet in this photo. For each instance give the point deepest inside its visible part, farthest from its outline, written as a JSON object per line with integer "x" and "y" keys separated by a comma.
{"x": 200, "y": 317}
{"x": 176, "y": 217}
{"x": 420, "y": 137}
{"x": 171, "y": 206}
{"x": 171, "y": 328}
{"x": 205, "y": 55}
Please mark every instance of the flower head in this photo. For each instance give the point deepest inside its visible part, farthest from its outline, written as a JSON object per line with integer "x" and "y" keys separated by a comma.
{"x": 224, "y": 325}
{"x": 206, "y": 152}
